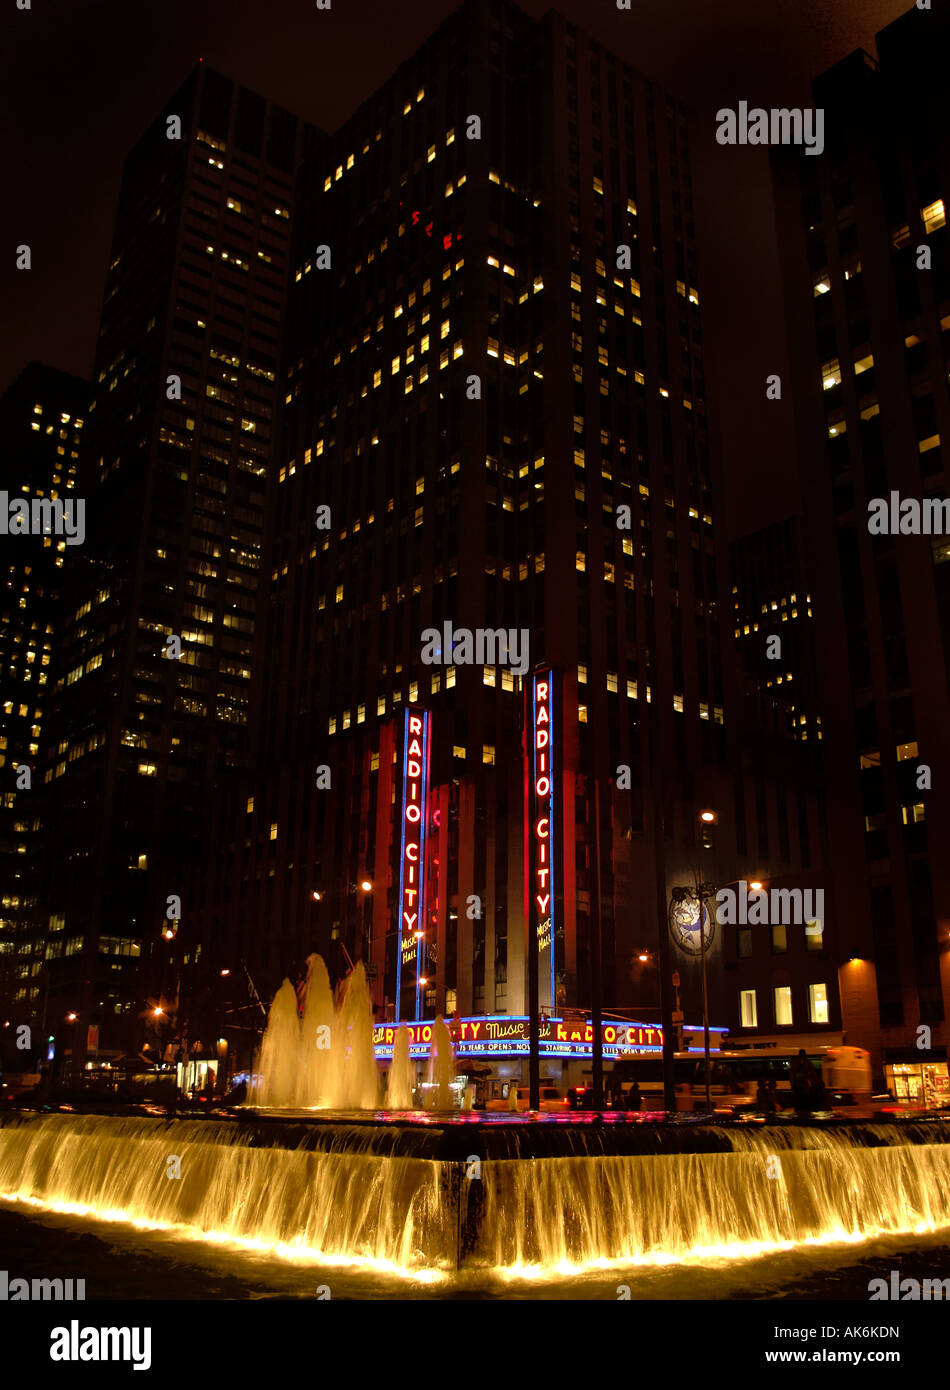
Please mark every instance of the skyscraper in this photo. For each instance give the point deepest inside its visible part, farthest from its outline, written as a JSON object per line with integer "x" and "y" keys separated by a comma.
{"x": 865, "y": 263}
{"x": 493, "y": 427}
{"x": 153, "y": 676}
{"x": 42, "y": 415}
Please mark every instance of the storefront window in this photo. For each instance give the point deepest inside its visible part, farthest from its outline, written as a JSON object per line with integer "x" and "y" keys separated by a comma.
{"x": 919, "y": 1083}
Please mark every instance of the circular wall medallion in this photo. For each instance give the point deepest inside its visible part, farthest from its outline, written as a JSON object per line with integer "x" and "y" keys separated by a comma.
{"x": 685, "y": 919}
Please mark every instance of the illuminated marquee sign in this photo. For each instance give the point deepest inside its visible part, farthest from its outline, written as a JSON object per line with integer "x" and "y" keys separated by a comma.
{"x": 542, "y": 840}
{"x": 414, "y": 804}
{"x": 508, "y": 1036}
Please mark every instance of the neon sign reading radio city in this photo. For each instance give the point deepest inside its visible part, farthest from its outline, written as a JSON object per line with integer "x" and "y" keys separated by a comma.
{"x": 412, "y": 851}
{"x": 543, "y": 827}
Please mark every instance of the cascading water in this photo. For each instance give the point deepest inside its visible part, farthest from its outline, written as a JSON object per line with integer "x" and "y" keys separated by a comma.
{"x": 547, "y": 1198}
{"x": 325, "y": 1059}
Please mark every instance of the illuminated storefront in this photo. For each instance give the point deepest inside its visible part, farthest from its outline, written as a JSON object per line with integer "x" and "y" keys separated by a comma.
{"x": 505, "y": 1038}
{"x": 915, "y": 1080}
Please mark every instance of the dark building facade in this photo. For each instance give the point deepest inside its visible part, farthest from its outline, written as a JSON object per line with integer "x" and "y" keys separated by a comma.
{"x": 783, "y": 974}
{"x": 153, "y": 675}
{"x": 42, "y": 416}
{"x": 775, "y": 630}
{"x": 493, "y": 422}
{"x": 866, "y": 273}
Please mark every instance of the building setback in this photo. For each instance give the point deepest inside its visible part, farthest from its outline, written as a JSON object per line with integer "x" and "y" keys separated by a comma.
{"x": 153, "y": 677}
{"x": 493, "y": 417}
{"x": 866, "y": 272}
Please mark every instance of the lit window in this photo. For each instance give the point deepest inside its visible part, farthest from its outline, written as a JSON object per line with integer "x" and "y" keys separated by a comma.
{"x": 814, "y": 935}
{"x": 817, "y": 1003}
{"x": 933, "y": 215}
{"x": 782, "y": 995}
{"x": 273, "y": 830}
{"x": 831, "y": 374}
{"x": 748, "y": 1014}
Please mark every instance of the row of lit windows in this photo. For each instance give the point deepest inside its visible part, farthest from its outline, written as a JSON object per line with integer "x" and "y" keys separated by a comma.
{"x": 912, "y": 814}
{"x": 350, "y": 161}
{"x": 64, "y": 419}
{"x": 782, "y": 1006}
{"x": 904, "y": 752}
{"x": 491, "y": 676}
{"x": 831, "y": 371}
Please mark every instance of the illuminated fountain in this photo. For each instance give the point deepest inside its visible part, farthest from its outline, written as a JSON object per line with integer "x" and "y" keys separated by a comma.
{"x": 325, "y": 1059}
{"x": 401, "y": 1074}
{"x": 395, "y": 1196}
{"x": 441, "y": 1068}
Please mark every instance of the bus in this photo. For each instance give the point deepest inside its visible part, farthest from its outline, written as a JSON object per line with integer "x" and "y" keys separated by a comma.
{"x": 734, "y": 1079}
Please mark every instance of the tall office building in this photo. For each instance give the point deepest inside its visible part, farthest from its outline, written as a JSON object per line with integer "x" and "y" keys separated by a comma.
{"x": 867, "y": 283}
{"x": 154, "y": 674}
{"x": 775, "y": 631}
{"x": 42, "y": 415}
{"x": 493, "y": 421}
{"x": 783, "y": 977}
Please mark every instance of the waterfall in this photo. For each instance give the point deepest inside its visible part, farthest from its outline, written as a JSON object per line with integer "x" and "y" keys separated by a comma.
{"x": 544, "y": 1198}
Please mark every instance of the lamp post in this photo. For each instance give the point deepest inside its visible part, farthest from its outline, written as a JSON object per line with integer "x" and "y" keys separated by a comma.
{"x": 597, "y": 1017}
{"x": 705, "y": 890}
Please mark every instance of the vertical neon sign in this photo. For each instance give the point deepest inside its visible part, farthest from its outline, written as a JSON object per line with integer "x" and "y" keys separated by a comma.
{"x": 542, "y": 833}
{"x": 412, "y": 861}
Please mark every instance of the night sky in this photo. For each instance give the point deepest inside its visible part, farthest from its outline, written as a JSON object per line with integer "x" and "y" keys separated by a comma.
{"x": 83, "y": 78}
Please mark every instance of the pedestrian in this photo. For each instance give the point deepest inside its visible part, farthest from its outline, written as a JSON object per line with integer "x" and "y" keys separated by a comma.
{"x": 773, "y": 1094}
{"x": 802, "y": 1072}
{"x": 764, "y": 1098}
{"x": 634, "y": 1099}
